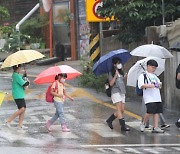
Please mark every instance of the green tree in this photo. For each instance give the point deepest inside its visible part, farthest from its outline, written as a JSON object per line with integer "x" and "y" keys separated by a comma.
{"x": 33, "y": 27}
{"x": 4, "y": 13}
{"x": 135, "y": 15}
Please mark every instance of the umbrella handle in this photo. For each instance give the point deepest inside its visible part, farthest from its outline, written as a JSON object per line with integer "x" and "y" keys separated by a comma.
{"x": 24, "y": 67}
{"x": 142, "y": 67}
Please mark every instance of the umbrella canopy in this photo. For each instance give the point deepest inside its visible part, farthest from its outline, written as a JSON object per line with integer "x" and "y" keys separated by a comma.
{"x": 104, "y": 64}
{"x": 48, "y": 75}
{"x": 151, "y": 50}
{"x": 20, "y": 57}
{"x": 140, "y": 67}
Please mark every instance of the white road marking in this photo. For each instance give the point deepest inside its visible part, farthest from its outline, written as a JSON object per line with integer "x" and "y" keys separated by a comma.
{"x": 109, "y": 150}
{"x": 70, "y": 117}
{"x": 176, "y": 148}
{"x": 46, "y": 117}
{"x": 131, "y": 150}
{"x": 102, "y": 130}
{"x": 129, "y": 145}
{"x": 156, "y": 150}
{"x": 33, "y": 118}
{"x": 59, "y": 134}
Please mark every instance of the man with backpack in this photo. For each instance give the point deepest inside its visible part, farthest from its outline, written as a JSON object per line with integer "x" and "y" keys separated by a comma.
{"x": 151, "y": 96}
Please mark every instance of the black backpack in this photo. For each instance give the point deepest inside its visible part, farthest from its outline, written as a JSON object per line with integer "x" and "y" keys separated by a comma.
{"x": 107, "y": 88}
{"x": 177, "y": 81}
{"x": 139, "y": 91}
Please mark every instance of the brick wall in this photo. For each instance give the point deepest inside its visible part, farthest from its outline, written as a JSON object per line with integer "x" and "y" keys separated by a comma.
{"x": 18, "y": 8}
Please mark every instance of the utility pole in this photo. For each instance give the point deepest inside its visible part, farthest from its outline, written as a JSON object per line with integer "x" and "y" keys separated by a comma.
{"x": 94, "y": 45}
{"x": 163, "y": 13}
{"x": 73, "y": 29}
{"x": 50, "y": 34}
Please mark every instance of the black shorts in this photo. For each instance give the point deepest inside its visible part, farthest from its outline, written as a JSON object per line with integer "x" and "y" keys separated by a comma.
{"x": 20, "y": 103}
{"x": 155, "y": 107}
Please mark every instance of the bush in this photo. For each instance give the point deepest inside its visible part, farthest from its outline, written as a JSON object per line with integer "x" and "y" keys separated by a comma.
{"x": 88, "y": 79}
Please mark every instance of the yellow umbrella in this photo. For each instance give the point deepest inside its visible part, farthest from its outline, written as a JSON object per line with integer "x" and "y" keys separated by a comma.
{"x": 20, "y": 57}
{"x": 2, "y": 95}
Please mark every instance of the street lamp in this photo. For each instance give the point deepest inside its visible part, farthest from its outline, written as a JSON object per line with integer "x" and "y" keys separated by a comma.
{"x": 163, "y": 13}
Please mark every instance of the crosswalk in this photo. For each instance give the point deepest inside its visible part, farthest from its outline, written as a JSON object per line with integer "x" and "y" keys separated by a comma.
{"x": 39, "y": 118}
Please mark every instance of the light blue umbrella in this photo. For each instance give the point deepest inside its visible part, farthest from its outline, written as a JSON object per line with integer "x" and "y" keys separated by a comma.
{"x": 104, "y": 64}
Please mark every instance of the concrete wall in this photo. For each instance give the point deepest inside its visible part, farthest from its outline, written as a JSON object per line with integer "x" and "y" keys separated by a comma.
{"x": 172, "y": 94}
{"x": 109, "y": 44}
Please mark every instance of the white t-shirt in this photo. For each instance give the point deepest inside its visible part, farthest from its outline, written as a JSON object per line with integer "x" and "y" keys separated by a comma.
{"x": 150, "y": 94}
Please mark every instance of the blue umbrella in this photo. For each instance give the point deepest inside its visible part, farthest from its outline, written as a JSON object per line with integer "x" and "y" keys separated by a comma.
{"x": 104, "y": 64}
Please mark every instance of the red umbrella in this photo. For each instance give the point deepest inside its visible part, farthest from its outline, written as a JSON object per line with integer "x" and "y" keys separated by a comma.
{"x": 48, "y": 75}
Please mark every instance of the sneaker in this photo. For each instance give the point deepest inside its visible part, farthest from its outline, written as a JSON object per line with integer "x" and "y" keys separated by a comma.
{"x": 157, "y": 130}
{"x": 64, "y": 128}
{"x": 142, "y": 127}
{"x": 148, "y": 127}
{"x": 165, "y": 126}
{"x": 48, "y": 125}
{"x": 8, "y": 124}
{"x": 177, "y": 124}
{"x": 22, "y": 127}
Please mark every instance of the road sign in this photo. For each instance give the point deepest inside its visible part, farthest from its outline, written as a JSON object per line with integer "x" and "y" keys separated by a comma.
{"x": 91, "y": 11}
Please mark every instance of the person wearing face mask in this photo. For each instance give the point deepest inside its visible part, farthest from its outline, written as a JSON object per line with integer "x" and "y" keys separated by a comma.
{"x": 118, "y": 91}
{"x": 59, "y": 93}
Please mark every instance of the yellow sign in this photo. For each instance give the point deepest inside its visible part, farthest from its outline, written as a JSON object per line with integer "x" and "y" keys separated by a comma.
{"x": 2, "y": 95}
{"x": 91, "y": 11}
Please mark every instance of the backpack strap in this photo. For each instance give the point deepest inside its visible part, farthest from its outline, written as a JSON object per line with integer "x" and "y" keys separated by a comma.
{"x": 56, "y": 86}
{"x": 145, "y": 78}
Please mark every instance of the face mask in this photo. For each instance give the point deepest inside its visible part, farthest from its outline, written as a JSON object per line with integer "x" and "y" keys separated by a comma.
{"x": 119, "y": 66}
{"x": 63, "y": 80}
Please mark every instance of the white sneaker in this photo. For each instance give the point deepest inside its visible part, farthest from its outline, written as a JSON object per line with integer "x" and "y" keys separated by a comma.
{"x": 157, "y": 130}
{"x": 8, "y": 124}
{"x": 148, "y": 127}
{"x": 23, "y": 127}
{"x": 142, "y": 127}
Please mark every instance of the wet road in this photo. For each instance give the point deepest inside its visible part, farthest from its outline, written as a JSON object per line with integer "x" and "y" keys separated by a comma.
{"x": 86, "y": 119}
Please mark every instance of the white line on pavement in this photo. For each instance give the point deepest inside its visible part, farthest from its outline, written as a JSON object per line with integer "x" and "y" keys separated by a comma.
{"x": 102, "y": 130}
{"x": 128, "y": 145}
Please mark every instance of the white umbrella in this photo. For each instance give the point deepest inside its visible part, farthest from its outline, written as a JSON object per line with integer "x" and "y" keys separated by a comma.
{"x": 151, "y": 50}
{"x": 140, "y": 67}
